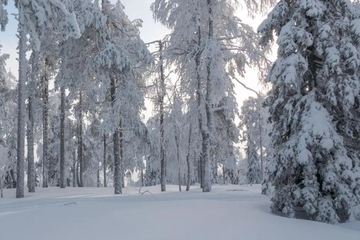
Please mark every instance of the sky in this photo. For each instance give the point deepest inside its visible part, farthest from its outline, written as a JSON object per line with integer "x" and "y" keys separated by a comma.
{"x": 135, "y": 9}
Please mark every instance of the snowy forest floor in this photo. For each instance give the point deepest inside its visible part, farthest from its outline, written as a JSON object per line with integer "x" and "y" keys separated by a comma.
{"x": 228, "y": 212}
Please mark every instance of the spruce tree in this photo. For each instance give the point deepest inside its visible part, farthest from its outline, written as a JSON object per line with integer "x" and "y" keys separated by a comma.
{"x": 313, "y": 106}
{"x": 202, "y": 45}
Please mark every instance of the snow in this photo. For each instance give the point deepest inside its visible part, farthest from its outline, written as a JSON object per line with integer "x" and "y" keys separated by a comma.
{"x": 355, "y": 27}
{"x": 228, "y": 212}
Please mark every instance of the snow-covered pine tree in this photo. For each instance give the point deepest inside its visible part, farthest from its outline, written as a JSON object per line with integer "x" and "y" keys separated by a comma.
{"x": 251, "y": 124}
{"x": 152, "y": 173}
{"x": 121, "y": 62}
{"x": 77, "y": 75}
{"x": 175, "y": 142}
{"x": 226, "y": 135}
{"x": 35, "y": 18}
{"x": 201, "y": 45}
{"x": 313, "y": 105}
{"x": 7, "y": 127}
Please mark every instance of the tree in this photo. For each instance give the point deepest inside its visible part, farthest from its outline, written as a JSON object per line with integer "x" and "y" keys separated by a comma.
{"x": 252, "y": 125}
{"x": 201, "y": 45}
{"x": 159, "y": 103}
{"x": 83, "y": 88}
{"x": 36, "y": 25}
{"x": 21, "y": 107}
{"x": 62, "y": 138}
{"x": 32, "y": 106}
{"x": 3, "y": 15}
{"x": 121, "y": 62}
{"x": 227, "y": 135}
{"x": 313, "y": 105}
{"x": 7, "y": 114}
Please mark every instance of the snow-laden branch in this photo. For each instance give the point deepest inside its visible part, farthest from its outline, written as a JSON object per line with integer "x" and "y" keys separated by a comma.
{"x": 71, "y": 18}
{"x": 246, "y": 87}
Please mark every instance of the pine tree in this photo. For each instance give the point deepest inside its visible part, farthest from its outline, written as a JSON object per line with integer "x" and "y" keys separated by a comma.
{"x": 3, "y": 14}
{"x": 201, "y": 46}
{"x": 121, "y": 61}
{"x": 36, "y": 25}
{"x": 313, "y": 101}
{"x": 252, "y": 124}
{"x": 6, "y": 119}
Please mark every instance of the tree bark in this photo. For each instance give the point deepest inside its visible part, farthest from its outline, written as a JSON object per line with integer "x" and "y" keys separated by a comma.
{"x": 117, "y": 163}
{"x": 161, "y": 113}
{"x": 199, "y": 101}
{"x": 188, "y": 162}
{"x": 62, "y": 138}
{"x": 98, "y": 177}
{"x": 178, "y": 158}
{"x": 1, "y": 186}
{"x": 46, "y": 162}
{"x": 20, "y": 162}
{"x": 105, "y": 184}
{"x": 30, "y": 138}
{"x": 80, "y": 142}
{"x": 77, "y": 174}
{"x": 116, "y": 140}
{"x": 206, "y": 132}
{"x": 142, "y": 176}
{"x": 121, "y": 136}
{"x": 74, "y": 170}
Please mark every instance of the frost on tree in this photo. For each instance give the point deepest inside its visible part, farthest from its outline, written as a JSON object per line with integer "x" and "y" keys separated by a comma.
{"x": 201, "y": 46}
{"x": 252, "y": 126}
{"x": 121, "y": 62}
{"x": 36, "y": 18}
{"x": 314, "y": 105}
{"x": 3, "y": 14}
{"x": 7, "y": 128}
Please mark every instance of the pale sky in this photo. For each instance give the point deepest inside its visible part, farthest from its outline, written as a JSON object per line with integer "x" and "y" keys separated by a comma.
{"x": 135, "y": 9}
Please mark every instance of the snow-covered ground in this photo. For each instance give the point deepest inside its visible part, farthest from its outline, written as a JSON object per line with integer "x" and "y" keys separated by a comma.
{"x": 227, "y": 213}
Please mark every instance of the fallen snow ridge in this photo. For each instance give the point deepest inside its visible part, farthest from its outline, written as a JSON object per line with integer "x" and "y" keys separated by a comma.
{"x": 227, "y": 213}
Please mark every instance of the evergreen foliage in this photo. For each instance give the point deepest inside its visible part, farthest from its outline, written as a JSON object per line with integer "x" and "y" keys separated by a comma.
{"x": 313, "y": 105}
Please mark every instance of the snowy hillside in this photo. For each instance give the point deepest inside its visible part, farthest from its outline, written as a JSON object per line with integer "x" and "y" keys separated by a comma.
{"x": 229, "y": 212}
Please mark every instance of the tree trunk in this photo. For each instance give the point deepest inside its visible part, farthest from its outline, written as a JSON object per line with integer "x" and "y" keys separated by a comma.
{"x": 206, "y": 132}
{"x": 77, "y": 174}
{"x": 224, "y": 173}
{"x": 105, "y": 184}
{"x": 199, "y": 101}
{"x": 46, "y": 160}
{"x": 188, "y": 162}
{"x": 261, "y": 146}
{"x": 117, "y": 163}
{"x": 30, "y": 139}
{"x": 20, "y": 162}
{"x": 74, "y": 170}
{"x": 62, "y": 138}
{"x": 178, "y": 158}
{"x": 1, "y": 186}
{"x": 116, "y": 140}
{"x": 98, "y": 177}
{"x": 161, "y": 113}
{"x": 80, "y": 142}
{"x": 142, "y": 176}
{"x": 121, "y": 136}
